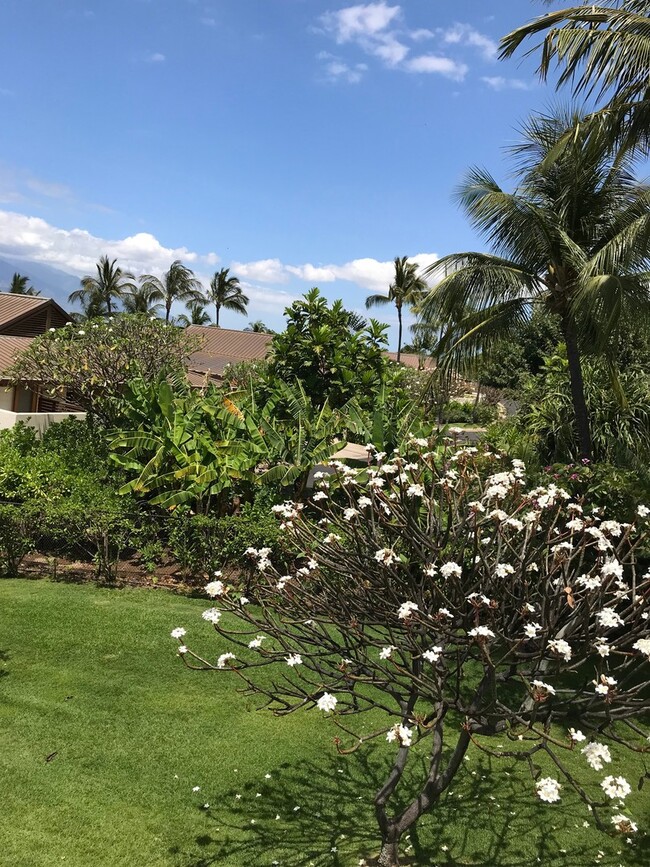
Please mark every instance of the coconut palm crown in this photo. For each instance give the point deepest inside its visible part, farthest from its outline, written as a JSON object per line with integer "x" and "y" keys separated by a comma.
{"x": 574, "y": 237}
{"x": 601, "y": 50}
{"x": 177, "y": 284}
{"x": 226, "y": 292}
{"x": 407, "y": 288}
{"x": 20, "y": 285}
{"x": 100, "y": 292}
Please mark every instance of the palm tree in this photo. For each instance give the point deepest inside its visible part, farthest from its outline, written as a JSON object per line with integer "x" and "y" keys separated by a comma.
{"x": 198, "y": 315}
{"x": 177, "y": 284}
{"x": 573, "y": 237}
{"x": 259, "y": 327}
{"x": 100, "y": 292}
{"x": 226, "y": 292}
{"x": 142, "y": 299}
{"x": 603, "y": 50}
{"x": 20, "y": 285}
{"x": 407, "y": 288}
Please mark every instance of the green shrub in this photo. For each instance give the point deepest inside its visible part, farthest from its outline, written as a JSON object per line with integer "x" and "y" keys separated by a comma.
{"x": 459, "y": 412}
{"x": 16, "y": 537}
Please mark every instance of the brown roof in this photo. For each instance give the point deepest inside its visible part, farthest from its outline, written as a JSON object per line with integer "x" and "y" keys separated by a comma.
{"x": 231, "y": 344}
{"x": 14, "y": 307}
{"x": 10, "y": 348}
{"x": 223, "y": 346}
{"x": 412, "y": 359}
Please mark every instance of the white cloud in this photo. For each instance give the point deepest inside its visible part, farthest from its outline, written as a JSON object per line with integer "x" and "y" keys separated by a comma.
{"x": 155, "y": 57}
{"x": 498, "y": 82}
{"x": 441, "y": 65}
{"x": 359, "y": 22}
{"x": 379, "y": 31}
{"x": 466, "y": 35}
{"x": 367, "y": 273}
{"x": 77, "y": 251}
{"x": 336, "y": 70}
{"x": 264, "y": 270}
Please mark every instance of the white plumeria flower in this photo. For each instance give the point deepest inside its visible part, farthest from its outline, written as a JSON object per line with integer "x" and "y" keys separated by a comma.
{"x": 502, "y": 570}
{"x": 386, "y": 556}
{"x": 481, "y": 632}
{"x": 363, "y": 502}
{"x": 327, "y": 702}
{"x": 611, "y": 568}
{"x": 179, "y": 632}
{"x": 532, "y": 630}
{"x": 415, "y": 491}
{"x": 256, "y": 642}
{"x": 214, "y": 588}
{"x": 602, "y": 647}
{"x": 223, "y": 659}
{"x": 596, "y": 754}
{"x": 561, "y": 647}
{"x": 643, "y": 511}
{"x": 183, "y": 650}
{"x": 643, "y": 645}
{"x": 283, "y": 581}
{"x": 386, "y": 652}
{"x": 624, "y": 824}
{"x": 548, "y": 790}
{"x": 348, "y": 514}
{"x": 430, "y": 570}
{"x": 445, "y": 612}
{"x": 293, "y": 659}
{"x": 405, "y": 735}
{"x": 542, "y": 688}
{"x": 433, "y": 655}
{"x": 589, "y": 582}
{"x": 609, "y": 618}
{"x": 451, "y": 568}
{"x": 212, "y": 615}
{"x": 577, "y": 736}
{"x": 605, "y": 684}
{"x": 406, "y": 609}
{"x": 616, "y": 787}
{"x": 331, "y": 538}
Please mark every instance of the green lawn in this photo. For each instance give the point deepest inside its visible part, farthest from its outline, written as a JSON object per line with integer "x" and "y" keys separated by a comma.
{"x": 90, "y": 679}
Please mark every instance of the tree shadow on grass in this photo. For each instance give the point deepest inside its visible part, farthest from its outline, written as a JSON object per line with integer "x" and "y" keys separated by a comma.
{"x": 5, "y": 656}
{"x": 310, "y": 815}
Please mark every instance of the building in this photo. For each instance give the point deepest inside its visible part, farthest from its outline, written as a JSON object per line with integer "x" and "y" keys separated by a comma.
{"x": 23, "y": 317}
{"x": 221, "y": 347}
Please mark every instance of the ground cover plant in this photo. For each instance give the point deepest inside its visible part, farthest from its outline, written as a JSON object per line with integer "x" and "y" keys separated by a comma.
{"x": 87, "y": 680}
{"x": 453, "y": 604}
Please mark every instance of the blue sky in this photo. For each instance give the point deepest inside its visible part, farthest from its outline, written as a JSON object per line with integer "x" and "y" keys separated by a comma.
{"x": 300, "y": 142}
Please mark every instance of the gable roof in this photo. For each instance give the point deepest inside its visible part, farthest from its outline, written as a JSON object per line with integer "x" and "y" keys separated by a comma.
{"x": 231, "y": 344}
{"x": 10, "y": 349}
{"x": 14, "y": 307}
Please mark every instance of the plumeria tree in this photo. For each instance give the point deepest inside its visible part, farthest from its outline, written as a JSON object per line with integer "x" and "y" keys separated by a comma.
{"x": 438, "y": 601}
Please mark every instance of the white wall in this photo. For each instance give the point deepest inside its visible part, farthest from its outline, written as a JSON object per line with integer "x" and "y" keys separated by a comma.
{"x": 39, "y": 420}
{"x": 6, "y": 397}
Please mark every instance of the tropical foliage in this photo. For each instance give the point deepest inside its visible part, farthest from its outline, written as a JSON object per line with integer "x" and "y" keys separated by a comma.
{"x": 572, "y": 238}
{"x": 321, "y": 347}
{"x": 99, "y": 293}
{"x": 407, "y": 289}
{"x": 176, "y": 284}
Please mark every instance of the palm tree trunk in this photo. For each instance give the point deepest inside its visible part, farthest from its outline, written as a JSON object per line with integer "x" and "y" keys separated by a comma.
{"x": 217, "y": 307}
{"x": 168, "y": 310}
{"x": 399, "y": 331}
{"x": 577, "y": 387}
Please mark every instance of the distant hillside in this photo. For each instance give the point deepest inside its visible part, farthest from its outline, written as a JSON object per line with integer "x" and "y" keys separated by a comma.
{"x": 51, "y": 282}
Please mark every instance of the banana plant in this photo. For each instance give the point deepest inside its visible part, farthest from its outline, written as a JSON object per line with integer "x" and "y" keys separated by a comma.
{"x": 185, "y": 449}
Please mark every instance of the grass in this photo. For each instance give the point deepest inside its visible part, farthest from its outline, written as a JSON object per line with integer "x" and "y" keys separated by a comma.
{"x": 90, "y": 681}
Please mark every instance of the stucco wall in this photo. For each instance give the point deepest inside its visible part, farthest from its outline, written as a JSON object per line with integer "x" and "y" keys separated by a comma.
{"x": 39, "y": 420}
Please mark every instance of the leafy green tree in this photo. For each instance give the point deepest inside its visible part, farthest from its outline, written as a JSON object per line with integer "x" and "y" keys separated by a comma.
{"x": 91, "y": 366}
{"x": 407, "y": 289}
{"x": 198, "y": 315}
{"x": 20, "y": 285}
{"x": 320, "y": 349}
{"x": 226, "y": 292}
{"x": 177, "y": 284}
{"x": 572, "y": 238}
{"x": 98, "y": 294}
{"x": 603, "y": 50}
